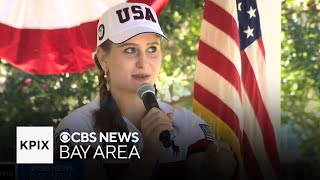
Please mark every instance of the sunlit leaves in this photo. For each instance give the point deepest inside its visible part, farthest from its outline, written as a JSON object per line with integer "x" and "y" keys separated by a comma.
{"x": 181, "y": 20}
{"x": 300, "y": 90}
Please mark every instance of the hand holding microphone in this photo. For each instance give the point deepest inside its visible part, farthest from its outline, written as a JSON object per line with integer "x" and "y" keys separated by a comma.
{"x": 156, "y": 124}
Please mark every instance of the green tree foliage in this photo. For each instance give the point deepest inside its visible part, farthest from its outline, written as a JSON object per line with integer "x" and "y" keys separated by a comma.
{"x": 28, "y": 99}
{"x": 181, "y": 21}
{"x": 300, "y": 75}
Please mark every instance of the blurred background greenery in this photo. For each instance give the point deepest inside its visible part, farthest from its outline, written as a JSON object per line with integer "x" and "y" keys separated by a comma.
{"x": 28, "y": 99}
{"x": 300, "y": 75}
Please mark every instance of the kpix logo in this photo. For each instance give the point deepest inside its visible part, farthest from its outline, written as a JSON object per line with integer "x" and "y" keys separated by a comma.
{"x": 34, "y": 145}
{"x": 29, "y": 145}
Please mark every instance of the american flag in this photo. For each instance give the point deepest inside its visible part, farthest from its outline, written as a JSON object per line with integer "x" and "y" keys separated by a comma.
{"x": 230, "y": 90}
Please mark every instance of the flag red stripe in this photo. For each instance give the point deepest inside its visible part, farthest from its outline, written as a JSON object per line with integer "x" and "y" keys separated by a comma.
{"x": 215, "y": 105}
{"x": 49, "y": 51}
{"x": 261, "y": 46}
{"x": 251, "y": 87}
{"x": 250, "y": 162}
{"x": 219, "y": 63}
{"x": 214, "y": 15}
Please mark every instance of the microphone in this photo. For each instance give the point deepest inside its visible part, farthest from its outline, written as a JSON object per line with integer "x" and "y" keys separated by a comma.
{"x": 146, "y": 93}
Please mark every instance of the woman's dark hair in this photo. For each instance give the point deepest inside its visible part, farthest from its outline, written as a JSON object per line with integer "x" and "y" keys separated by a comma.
{"x": 108, "y": 117}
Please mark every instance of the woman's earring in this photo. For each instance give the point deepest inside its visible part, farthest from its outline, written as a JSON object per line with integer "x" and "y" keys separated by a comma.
{"x": 107, "y": 83}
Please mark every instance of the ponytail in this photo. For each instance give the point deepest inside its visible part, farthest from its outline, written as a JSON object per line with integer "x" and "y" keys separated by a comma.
{"x": 108, "y": 117}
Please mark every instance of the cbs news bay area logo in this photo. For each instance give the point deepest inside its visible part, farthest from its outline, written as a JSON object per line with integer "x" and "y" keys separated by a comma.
{"x": 35, "y": 145}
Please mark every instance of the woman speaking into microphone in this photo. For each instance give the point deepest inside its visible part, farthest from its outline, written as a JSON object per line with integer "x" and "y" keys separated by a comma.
{"x": 128, "y": 57}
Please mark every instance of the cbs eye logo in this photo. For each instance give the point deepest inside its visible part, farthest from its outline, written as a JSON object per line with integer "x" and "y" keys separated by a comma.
{"x": 64, "y": 137}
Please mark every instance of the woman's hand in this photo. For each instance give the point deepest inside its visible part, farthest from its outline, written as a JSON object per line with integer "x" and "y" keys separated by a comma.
{"x": 217, "y": 162}
{"x": 152, "y": 124}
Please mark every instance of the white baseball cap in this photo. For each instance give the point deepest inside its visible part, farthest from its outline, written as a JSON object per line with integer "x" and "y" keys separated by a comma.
{"x": 126, "y": 20}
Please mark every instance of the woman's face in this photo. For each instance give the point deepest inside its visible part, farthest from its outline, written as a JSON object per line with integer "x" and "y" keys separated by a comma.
{"x": 134, "y": 62}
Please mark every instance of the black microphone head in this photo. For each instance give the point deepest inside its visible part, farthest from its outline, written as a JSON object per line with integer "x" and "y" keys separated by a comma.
{"x": 144, "y": 88}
